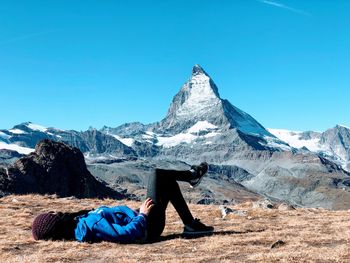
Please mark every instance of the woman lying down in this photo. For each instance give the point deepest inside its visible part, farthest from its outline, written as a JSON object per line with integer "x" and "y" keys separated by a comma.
{"x": 123, "y": 224}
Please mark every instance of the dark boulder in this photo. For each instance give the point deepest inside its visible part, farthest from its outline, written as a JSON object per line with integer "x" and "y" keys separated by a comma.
{"x": 54, "y": 168}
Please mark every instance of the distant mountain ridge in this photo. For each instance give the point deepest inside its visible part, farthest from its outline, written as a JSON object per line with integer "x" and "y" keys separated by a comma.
{"x": 333, "y": 144}
{"x": 200, "y": 126}
{"x": 24, "y": 137}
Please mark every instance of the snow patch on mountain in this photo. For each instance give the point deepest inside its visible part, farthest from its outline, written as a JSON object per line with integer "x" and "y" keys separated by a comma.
{"x": 201, "y": 126}
{"x": 191, "y": 135}
{"x": 293, "y": 138}
{"x": 172, "y": 141}
{"x": 15, "y": 147}
{"x": 126, "y": 141}
{"x": 211, "y": 134}
{"x": 17, "y": 131}
{"x": 177, "y": 139}
{"x": 4, "y": 135}
{"x": 276, "y": 143}
{"x": 149, "y": 135}
{"x": 36, "y": 127}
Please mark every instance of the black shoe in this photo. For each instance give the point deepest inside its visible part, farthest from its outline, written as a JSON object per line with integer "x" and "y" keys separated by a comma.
{"x": 198, "y": 172}
{"x": 197, "y": 228}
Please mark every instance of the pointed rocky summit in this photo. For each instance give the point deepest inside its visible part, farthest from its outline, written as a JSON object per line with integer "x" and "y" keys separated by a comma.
{"x": 197, "y": 69}
{"x": 199, "y": 100}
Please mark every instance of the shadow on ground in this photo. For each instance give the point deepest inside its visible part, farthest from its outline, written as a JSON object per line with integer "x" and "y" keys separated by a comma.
{"x": 215, "y": 233}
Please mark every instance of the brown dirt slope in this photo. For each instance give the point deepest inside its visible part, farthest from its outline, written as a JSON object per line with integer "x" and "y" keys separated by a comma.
{"x": 259, "y": 235}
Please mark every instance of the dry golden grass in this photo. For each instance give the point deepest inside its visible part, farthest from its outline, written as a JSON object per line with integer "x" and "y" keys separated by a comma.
{"x": 309, "y": 235}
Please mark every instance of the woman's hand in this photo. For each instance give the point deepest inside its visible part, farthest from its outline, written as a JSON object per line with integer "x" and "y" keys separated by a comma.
{"x": 146, "y": 206}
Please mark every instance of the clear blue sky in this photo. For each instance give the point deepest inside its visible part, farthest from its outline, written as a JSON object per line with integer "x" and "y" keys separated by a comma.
{"x": 75, "y": 64}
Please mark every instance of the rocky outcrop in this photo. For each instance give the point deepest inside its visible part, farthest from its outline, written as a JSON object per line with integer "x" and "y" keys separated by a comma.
{"x": 54, "y": 168}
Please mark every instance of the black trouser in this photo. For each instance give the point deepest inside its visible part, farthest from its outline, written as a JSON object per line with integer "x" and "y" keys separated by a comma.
{"x": 162, "y": 188}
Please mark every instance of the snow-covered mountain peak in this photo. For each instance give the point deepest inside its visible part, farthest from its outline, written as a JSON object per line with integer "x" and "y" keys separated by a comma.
{"x": 27, "y": 127}
{"x": 199, "y": 101}
{"x": 198, "y": 70}
{"x": 36, "y": 127}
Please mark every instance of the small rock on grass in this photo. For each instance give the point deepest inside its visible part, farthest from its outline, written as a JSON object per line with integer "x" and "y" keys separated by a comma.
{"x": 278, "y": 243}
{"x": 227, "y": 210}
{"x": 285, "y": 207}
{"x": 264, "y": 204}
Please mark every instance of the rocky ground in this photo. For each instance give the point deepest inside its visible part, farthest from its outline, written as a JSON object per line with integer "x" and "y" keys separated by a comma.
{"x": 131, "y": 178}
{"x": 252, "y": 232}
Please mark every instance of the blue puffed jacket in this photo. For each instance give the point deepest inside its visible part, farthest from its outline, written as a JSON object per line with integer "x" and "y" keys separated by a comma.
{"x": 114, "y": 224}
